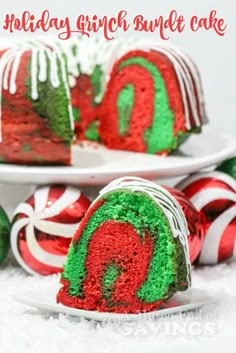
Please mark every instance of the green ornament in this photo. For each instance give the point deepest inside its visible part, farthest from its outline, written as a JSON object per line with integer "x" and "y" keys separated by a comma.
{"x": 228, "y": 167}
{"x": 4, "y": 235}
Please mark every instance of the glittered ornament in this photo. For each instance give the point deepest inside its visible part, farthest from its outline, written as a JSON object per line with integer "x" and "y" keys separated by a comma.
{"x": 4, "y": 235}
{"x": 228, "y": 167}
{"x": 195, "y": 221}
{"x": 43, "y": 227}
{"x": 214, "y": 194}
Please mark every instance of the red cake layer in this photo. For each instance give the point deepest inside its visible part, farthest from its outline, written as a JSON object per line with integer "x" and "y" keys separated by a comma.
{"x": 119, "y": 250}
{"x": 142, "y": 112}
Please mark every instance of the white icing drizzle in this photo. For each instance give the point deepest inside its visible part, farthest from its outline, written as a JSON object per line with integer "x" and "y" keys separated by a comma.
{"x": 14, "y": 71}
{"x": 54, "y": 71}
{"x": 190, "y": 66}
{"x": 164, "y": 200}
{"x": 9, "y": 68}
{"x": 97, "y": 51}
{"x": 34, "y": 81}
{"x": 42, "y": 66}
{"x": 84, "y": 54}
{"x": 186, "y": 84}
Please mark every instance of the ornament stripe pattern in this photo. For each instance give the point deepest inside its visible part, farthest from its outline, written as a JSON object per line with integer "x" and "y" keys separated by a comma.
{"x": 215, "y": 196}
{"x": 37, "y": 218}
{"x": 210, "y": 249}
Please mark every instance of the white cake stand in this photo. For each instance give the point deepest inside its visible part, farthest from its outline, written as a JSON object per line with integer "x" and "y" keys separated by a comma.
{"x": 98, "y": 166}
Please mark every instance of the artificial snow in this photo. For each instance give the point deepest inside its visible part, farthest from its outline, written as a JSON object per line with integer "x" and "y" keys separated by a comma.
{"x": 27, "y": 330}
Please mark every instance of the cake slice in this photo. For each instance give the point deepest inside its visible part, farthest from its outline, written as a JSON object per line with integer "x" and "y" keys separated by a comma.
{"x": 130, "y": 252}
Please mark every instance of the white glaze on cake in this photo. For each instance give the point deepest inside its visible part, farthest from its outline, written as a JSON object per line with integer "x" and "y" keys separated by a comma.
{"x": 40, "y": 56}
{"x": 87, "y": 53}
{"x": 83, "y": 55}
{"x": 164, "y": 200}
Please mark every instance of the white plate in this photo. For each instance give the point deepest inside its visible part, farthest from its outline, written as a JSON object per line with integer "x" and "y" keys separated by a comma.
{"x": 182, "y": 301}
{"x": 94, "y": 166}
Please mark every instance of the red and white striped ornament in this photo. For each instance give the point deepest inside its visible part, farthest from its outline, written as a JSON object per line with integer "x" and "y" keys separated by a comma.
{"x": 43, "y": 227}
{"x": 214, "y": 193}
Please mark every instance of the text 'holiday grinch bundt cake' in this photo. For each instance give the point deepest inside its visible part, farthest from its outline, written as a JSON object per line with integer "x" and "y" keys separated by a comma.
{"x": 130, "y": 252}
{"x": 137, "y": 96}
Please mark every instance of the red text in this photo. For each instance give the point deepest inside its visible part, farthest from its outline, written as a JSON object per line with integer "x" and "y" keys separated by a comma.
{"x": 173, "y": 23}
{"x": 211, "y": 22}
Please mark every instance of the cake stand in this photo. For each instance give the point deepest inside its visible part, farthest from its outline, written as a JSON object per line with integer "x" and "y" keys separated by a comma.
{"x": 96, "y": 165}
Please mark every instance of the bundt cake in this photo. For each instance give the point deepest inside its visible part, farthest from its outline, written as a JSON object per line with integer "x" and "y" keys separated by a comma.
{"x": 138, "y": 96}
{"x": 130, "y": 252}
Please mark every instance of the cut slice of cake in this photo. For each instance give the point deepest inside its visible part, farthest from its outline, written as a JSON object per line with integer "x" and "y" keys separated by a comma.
{"x": 130, "y": 252}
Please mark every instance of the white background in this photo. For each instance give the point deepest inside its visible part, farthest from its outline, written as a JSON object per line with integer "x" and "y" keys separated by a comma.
{"x": 215, "y": 57}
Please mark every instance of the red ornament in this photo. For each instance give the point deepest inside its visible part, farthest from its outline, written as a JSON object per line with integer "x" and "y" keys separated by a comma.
{"x": 195, "y": 221}
{"x": 214, "y": 194}
{"x": 43, "y": 227}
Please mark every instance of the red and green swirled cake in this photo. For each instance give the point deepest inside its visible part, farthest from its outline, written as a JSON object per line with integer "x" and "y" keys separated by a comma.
{"x": 153, "y": 99}
{"x": 130, "y": 252}
{"x": 128, "y": 95}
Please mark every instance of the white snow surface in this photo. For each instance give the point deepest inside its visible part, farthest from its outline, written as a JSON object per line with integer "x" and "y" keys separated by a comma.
{"x": 27, "y": 330}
